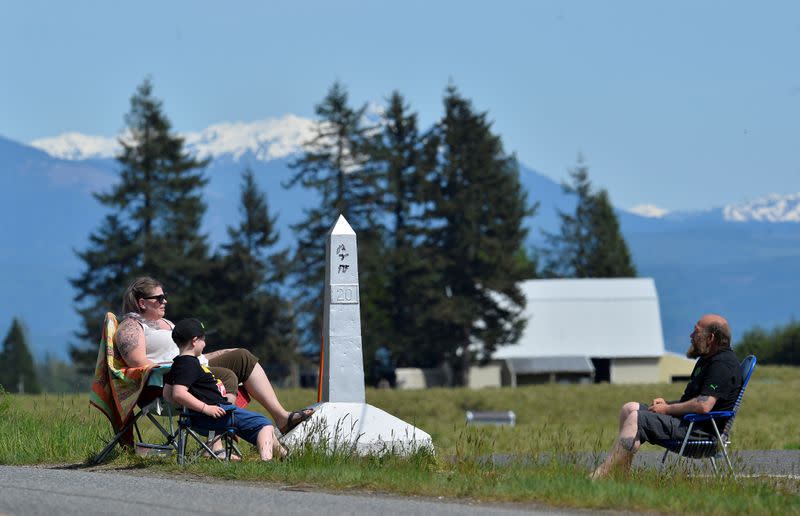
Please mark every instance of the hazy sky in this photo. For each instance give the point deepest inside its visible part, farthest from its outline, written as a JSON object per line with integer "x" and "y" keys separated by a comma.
{"x": 684, "y": 105}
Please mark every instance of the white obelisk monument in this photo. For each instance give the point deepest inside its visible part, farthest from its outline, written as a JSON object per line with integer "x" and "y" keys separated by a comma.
{"x": 343, "y": 418}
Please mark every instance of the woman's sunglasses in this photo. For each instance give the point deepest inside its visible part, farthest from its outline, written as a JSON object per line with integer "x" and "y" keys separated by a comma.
{"x": 161, "y": 298}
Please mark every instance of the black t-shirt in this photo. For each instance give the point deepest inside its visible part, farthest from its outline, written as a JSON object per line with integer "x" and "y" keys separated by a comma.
{"x": 186, "y": 370}
{"x": 719, "y": 376}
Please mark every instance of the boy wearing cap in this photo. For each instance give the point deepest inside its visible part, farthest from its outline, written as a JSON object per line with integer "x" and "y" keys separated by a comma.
{"x": 194, "y": 387}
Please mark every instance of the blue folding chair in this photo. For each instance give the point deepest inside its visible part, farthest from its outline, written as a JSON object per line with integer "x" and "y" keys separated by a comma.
{"x": 701, "y": 445}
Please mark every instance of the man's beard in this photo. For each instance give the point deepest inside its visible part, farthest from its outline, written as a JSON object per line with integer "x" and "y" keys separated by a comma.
{"x": 698, "y": 349}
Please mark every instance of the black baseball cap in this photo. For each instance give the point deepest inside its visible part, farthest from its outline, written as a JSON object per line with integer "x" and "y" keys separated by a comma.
{"x": 187, "y": 329}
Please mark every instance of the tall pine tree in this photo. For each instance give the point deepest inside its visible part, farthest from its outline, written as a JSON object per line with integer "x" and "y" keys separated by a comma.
{"x": 476, "y": 212}
{"x": 590, "y": 243}
{"x": 17, "y": 370}
{"x": 333, "y": 165}
{"x": 153, "y": 228}
{"x": 399, "y": 158}
{"x": 254, "y": 314}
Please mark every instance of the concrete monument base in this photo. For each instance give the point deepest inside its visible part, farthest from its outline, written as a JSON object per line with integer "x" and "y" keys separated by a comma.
{"x": 359, "y": 427}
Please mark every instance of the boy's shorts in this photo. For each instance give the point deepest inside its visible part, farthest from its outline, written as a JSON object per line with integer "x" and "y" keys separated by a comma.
{"x": 247, "y": 423}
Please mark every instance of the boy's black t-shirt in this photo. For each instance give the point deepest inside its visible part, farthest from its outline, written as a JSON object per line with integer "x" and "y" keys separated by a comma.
{"x": 186, "y": 370}
{"x": 719, "y": 376}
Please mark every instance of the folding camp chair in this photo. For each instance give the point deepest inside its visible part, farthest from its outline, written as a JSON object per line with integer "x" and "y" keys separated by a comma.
{"x": 118, "y": 390}
{"x": 176, "y": 439}
{"x": 700, "y": 445}
{"x": 151, "y": 404}
{"x": 205, "y": 445}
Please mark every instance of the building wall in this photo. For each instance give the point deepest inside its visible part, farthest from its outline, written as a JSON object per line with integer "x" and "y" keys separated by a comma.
{"x": 416, "y": 378}
{"x": 485, "y": 376}
{"x": 410, "y": 378}
{"x": 635, "y": 370}
{"x": 675, "y": 368}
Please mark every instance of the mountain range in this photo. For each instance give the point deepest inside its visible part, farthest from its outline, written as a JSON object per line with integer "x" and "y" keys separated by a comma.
{"x": 740, "y": 260}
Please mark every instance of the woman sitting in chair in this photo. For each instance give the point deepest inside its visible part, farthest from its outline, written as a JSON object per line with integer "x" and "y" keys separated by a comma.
{"x": 144, "y": 337}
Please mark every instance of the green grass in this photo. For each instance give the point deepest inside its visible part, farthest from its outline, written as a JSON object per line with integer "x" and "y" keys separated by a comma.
{"x": 552, "y": 421}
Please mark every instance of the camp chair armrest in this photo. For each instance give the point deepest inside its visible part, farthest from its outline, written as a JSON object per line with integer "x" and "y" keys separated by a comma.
{"x": 708, "y": 415}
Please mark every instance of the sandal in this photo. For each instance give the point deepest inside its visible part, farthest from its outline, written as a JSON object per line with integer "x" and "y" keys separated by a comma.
{"x": 292, "y": 421}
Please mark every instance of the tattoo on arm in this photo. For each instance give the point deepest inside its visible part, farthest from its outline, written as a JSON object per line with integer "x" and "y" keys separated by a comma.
{"x": 702, "y": 398}
{"x": 627, "y": 443}
{"x": 127, "y": 339}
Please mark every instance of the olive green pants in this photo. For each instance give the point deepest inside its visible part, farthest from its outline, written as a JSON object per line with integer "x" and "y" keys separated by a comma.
{"x": 232, "y": 368}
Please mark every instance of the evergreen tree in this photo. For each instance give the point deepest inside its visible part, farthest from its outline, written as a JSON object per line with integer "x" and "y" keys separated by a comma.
{"x": 153, "y": 229}
{"x": 611, "y": 257}
{"x": 476, "y": 212}
{"x": 399, "y": 156}
{"x": 254, "y": 314}
{"x": 590, "y": 243}
{"x": 17, "y": 371}
{"x": 333, "y": 166}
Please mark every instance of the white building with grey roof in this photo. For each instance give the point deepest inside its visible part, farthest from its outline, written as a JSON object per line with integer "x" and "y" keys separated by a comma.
{"x": 590, "y": 330}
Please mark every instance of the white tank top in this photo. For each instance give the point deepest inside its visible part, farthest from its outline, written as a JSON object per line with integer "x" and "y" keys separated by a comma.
{"x": 160, "y": 348}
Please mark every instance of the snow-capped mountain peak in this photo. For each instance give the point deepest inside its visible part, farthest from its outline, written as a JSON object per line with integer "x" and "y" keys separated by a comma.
{"x": 77, "y": 146}
{"x": 267, "y": 139}
{"x": 772, "y": 208}
{"x": 649, "y": 210}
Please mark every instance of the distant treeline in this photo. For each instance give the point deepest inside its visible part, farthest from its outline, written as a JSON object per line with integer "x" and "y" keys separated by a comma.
{"x": 439, "y": 213}
{"x": 19, "y": 373}
{"x": 780, "y": 345}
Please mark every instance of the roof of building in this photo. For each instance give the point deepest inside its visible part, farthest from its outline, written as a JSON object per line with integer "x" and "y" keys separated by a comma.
{"x": 600, "y": 318}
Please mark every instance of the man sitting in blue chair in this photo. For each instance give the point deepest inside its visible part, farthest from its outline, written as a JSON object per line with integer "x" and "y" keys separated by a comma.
{"x": 715, "y": 384}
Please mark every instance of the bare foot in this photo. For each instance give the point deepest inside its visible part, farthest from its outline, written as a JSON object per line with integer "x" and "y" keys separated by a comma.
{"x": 279, "y": 451}
{"x": 600, "y": 473}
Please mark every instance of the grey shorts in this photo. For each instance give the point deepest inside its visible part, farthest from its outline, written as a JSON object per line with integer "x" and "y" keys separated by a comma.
{"x": 655, "y": 428}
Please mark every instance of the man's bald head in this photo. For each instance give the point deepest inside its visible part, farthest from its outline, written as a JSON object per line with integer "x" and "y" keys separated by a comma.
{"x": 717, "y": 326}
{"x": 711, "y": 333}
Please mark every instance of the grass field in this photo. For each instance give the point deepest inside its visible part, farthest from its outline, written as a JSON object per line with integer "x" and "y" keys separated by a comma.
{"x": 556, "y": 419}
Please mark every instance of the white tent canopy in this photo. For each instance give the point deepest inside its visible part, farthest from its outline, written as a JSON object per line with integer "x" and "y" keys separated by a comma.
{"x": 598, "y": 318}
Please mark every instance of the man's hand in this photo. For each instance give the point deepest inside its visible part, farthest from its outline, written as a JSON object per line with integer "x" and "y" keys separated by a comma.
{"x": 657, "y": 401}
{"x": 214, "y": 411}
{"x": 659, "y": 408}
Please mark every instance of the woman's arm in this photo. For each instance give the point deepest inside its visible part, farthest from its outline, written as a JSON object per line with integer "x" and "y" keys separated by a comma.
{"x": 182, "y": 396}
{"x": 130, "y": 343}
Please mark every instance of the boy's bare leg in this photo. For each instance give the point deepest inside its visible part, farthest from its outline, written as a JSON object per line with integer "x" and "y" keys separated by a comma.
{"x": 265, "y": 442}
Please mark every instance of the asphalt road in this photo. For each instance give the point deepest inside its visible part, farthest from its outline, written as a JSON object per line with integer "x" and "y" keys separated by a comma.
{"x": 782, "y": 463}
{"x": 31, "y": 491}
{"x": 746, "y": 462}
